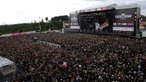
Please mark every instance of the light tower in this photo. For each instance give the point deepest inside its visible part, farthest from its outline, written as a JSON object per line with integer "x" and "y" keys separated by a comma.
{"x": 39, "y": 24}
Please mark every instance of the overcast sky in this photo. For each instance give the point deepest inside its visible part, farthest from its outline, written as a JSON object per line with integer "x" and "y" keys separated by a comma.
{"x": 26, "y": 11}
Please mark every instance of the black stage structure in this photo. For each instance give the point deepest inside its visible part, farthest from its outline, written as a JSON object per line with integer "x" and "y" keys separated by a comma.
{"x": 108, "y": 20}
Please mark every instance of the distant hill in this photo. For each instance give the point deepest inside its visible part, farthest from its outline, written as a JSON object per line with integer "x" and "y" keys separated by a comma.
{"x": 6, "y": 29}
{"x": 55, "y": 24}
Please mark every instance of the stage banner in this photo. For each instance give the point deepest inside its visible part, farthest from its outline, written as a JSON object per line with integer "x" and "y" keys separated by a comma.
{"x": 124, "y": 20}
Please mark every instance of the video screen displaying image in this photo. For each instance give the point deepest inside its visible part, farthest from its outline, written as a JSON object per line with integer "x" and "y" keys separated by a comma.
{"x": 102, "y": 23}
{"x": 96, "y": 21}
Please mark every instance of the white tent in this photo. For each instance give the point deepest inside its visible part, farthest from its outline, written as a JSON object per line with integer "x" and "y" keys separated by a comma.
{"x": 5, "y": 62}
{"x": 6, "y": 66}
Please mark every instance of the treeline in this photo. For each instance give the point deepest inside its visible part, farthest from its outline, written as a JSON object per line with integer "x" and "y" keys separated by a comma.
{"x": 54, "y": 24}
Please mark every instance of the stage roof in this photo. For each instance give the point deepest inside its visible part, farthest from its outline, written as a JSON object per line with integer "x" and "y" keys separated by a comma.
{"x": 112, "y": 6}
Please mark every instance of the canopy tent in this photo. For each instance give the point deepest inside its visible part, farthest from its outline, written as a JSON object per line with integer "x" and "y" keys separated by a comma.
{"x": 5, "y": 62}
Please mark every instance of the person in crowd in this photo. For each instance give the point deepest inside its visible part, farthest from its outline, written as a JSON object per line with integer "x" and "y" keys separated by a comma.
{"x": 81, "y": 58}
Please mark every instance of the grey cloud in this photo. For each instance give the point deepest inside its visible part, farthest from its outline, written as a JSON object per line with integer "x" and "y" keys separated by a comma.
{"x": 103, "y": 3}
{"x": 95, "y": 0}
{"x": 142, "y": 4}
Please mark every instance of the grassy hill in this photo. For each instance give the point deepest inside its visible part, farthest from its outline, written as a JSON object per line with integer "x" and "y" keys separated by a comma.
{"x": 55, "y": 24}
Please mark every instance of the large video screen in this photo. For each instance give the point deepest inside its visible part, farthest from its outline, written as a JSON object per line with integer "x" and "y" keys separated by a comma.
{"x": 74, "y": 21}
{"x": 124, "y": 20}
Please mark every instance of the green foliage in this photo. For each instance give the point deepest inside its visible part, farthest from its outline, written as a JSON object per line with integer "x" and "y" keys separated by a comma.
{"x": 56, "y": 23}
{"x": 6, "y": 29}
{"x": 46, "y": 19}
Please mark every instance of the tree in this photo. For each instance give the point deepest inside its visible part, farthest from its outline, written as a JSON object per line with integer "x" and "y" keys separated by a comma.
{"x": 6, "y": 29}
{"x": 42, "y": 21}
{"x": 46, "y": 25}
{"x": 46, "y": 19}
{"x": 57, "y": 21}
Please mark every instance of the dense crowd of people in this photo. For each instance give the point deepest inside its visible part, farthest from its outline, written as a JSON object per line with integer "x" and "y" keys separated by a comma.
{"x": 81, "y": 58}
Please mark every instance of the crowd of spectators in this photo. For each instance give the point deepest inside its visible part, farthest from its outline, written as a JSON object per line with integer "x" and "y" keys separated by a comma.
{"x": 81, "y": 58}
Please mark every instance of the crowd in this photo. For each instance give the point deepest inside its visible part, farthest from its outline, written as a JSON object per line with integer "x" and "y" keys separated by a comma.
{"x": 81, "y": 58}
